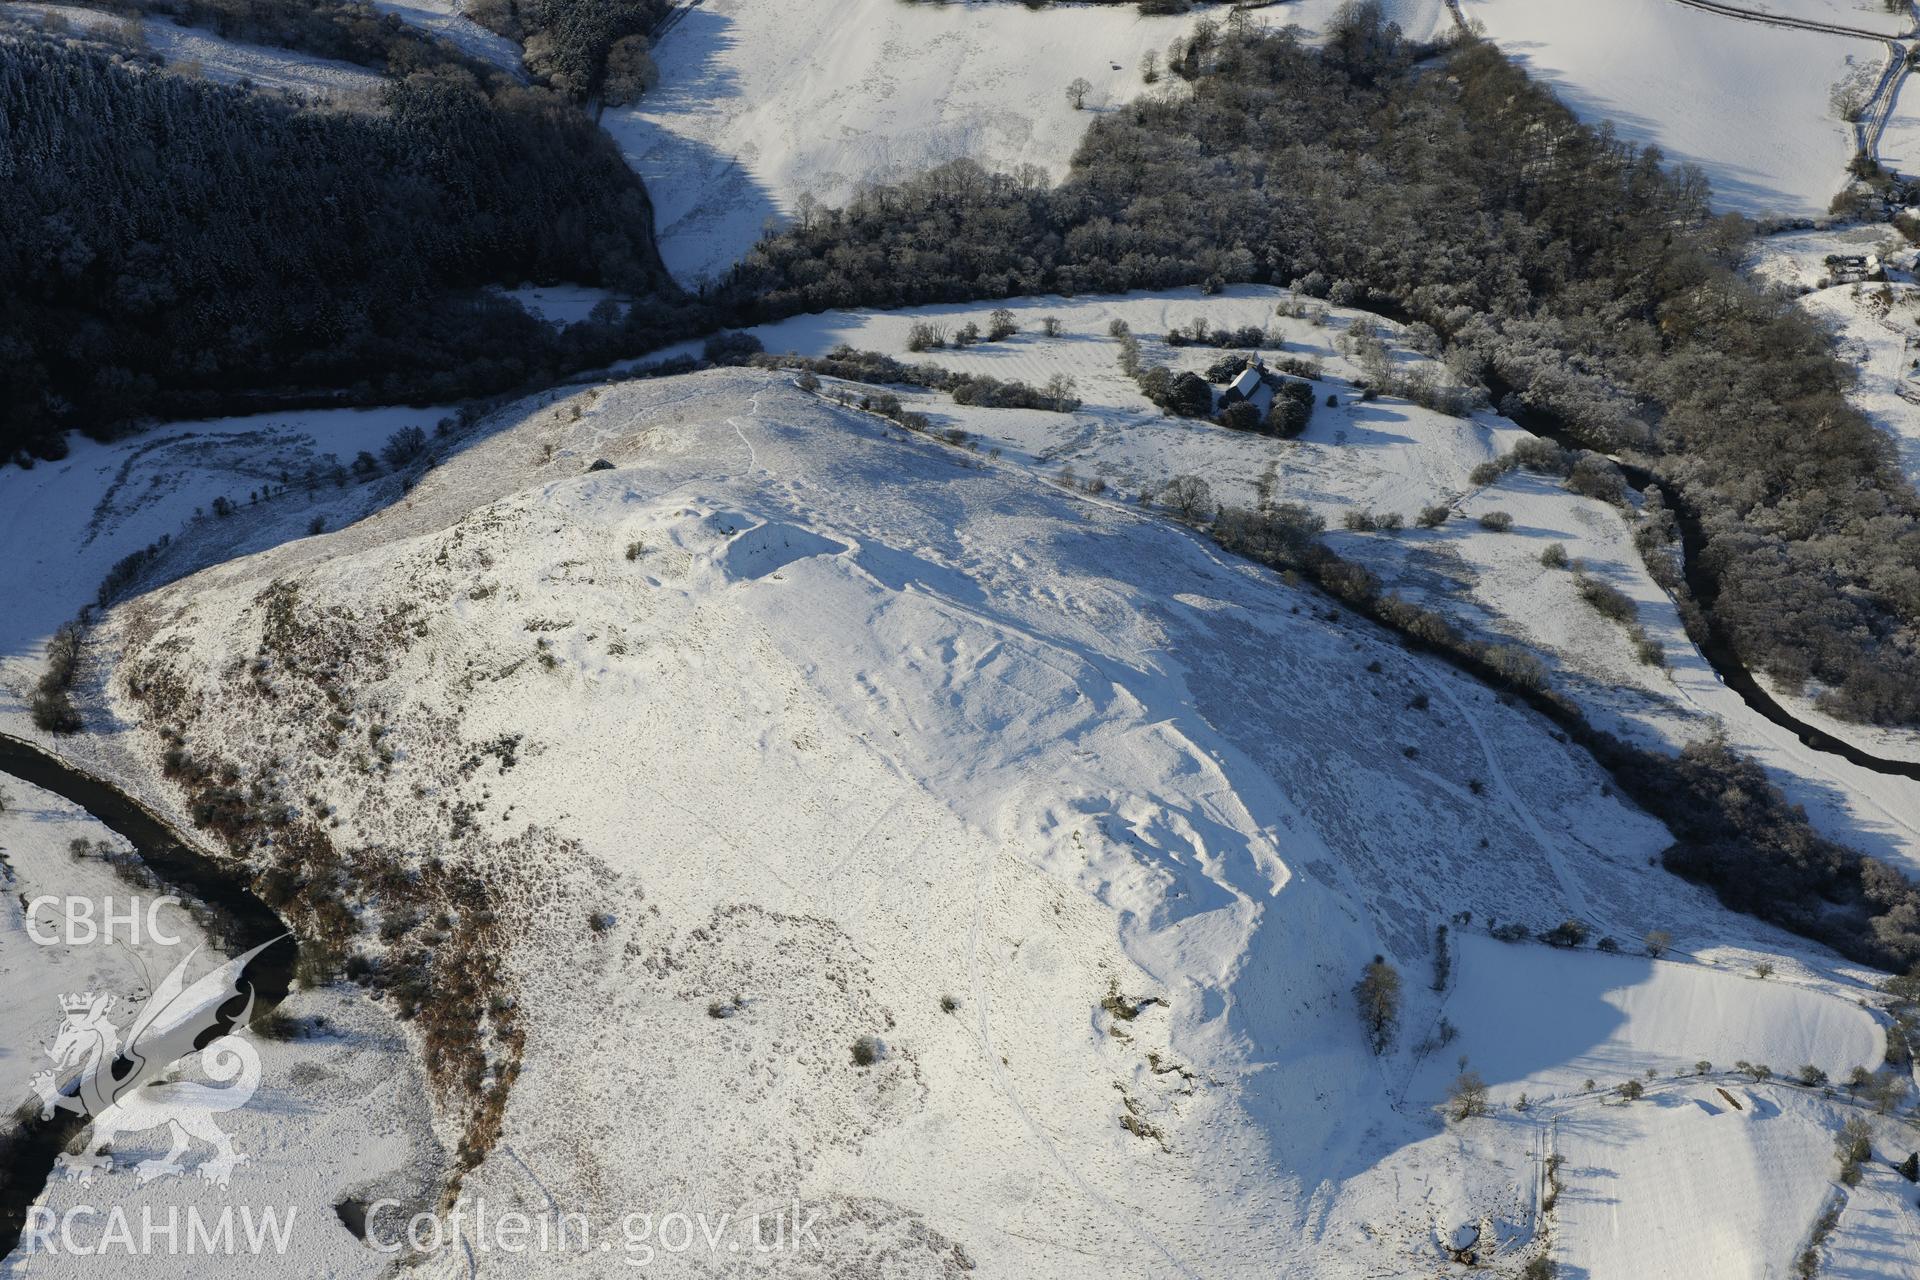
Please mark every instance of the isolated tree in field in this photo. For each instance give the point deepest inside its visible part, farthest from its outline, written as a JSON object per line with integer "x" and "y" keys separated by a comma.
{"x": 1078, "y": 90}
{"x": 1050, "y": 325}
{"x": 1059, "y": 390}
{"x": 1631, "y": 1090}
{"x": 1150, "y": 66}
{"x": 1000, "y": 325}
{"x": 54, "y": 711}
{"x": 1848, "y": 98}
{"x": 1854, "y": 1146}
{"x": 1467, "y": 1097}
{"x": 1189, "y": 497}
{"x": 1378, "y": 995}
{"x": 1657, "y": 941}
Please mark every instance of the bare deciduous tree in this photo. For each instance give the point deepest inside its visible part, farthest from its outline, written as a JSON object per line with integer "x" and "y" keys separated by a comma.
{"x": 1378, "y": 994}
{"x": 1467, "y": 1097}
{"x": 1188, "y": 496}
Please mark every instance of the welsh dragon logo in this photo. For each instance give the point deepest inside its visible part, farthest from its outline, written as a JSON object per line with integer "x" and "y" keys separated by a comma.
{"x": 120, "y": 1082}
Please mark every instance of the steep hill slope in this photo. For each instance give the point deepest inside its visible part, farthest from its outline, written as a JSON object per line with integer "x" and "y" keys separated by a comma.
{"x": 783, "y": 731}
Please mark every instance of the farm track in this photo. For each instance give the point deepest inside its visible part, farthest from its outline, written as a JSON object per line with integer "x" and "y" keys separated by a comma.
{"x": 1872, "y": 126}
{"x": 1783, "y": 20}
{"x": 1745, "y": 15}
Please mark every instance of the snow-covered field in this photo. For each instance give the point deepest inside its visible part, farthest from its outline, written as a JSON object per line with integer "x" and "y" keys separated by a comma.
{"x": 1876, "y": 324}
{"x": 338, "y": 1112}
{"x": 196, "y": 52}
{"x": 1709, "y": 1175}
{"x": 37, "y": 860}
{"x": 1543, "y": 1021}
{"x": 754, "y": 108}
{"x": 563, "y": 304}
{"x": 1386, "y": 454}
{"x": 1863, "y": 15}
{"x": 1899, "y": 146}
{"x": 341, "y": 1112}
{"x": 1745, "y": 101}
{"x": 1669, "y": 705}
{"x": 1687, "y": 1182}
{"x": 1879, "y": 1234}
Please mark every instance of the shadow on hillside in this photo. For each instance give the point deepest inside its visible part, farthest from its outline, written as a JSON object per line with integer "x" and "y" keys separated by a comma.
{"x": 1735, "y": 188}
{"x": 709, "y": 208}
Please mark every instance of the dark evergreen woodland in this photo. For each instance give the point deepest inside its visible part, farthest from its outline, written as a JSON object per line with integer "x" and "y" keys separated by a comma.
{"x": 167, "y": 244}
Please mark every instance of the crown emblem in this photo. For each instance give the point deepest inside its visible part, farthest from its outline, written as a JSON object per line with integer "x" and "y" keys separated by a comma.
{"x": 76, "y": 1002}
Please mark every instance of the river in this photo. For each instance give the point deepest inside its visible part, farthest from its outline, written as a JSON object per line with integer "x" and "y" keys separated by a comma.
{"x": 1714, "y": 645}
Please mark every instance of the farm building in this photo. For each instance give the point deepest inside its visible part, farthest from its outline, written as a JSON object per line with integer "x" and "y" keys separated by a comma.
{"x": 1252, "y": 386}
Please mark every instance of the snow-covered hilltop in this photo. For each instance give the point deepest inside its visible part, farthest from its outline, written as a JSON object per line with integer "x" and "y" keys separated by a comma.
{"x": 1166, "y": 775}
{"x": 982, "y": 863}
